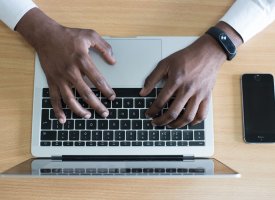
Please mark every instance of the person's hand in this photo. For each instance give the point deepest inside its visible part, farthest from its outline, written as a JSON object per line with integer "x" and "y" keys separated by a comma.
{"x": 189, "y": 76}
{"x": 64, "y": 56}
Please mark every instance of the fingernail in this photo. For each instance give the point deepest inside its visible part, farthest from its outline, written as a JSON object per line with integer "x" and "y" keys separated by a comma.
{"x": 112, "y": 97}
{"x": 168, "y": 126}
{"x": 153, "y": 124}
{"x": 87, "y": 116}
{"x": 147, "y": 116}
{"x": 105, "y": 114}
{"x": 62, "y": 120}
{"x": 142, "y": 91}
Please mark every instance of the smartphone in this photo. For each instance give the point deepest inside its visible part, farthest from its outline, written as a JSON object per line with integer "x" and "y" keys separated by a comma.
{"x": 258, "y": 108}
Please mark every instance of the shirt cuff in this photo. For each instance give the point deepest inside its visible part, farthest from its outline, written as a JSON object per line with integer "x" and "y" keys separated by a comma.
{"x": 13, "y": 10}
{"x": 249, "y": 17}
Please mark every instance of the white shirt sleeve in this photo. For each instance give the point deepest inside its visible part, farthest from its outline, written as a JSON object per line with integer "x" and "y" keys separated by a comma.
{"x": 248, "y": 17}
{"x": 11, "y": 11}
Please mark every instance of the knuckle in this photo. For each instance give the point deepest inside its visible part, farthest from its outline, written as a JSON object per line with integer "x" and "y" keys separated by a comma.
{"x": 188, "y": 118}
{"x": 100, "y": 81}
{"x": 172, "y": 115}
{"x": 92, "y": 33}
{"x": 87, "y": 95}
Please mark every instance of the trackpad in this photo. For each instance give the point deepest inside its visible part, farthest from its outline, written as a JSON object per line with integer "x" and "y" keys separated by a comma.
{"x": 136, "y": 58}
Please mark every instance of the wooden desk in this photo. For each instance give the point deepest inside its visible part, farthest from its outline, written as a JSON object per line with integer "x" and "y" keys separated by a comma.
{"x": 256, "y": 163}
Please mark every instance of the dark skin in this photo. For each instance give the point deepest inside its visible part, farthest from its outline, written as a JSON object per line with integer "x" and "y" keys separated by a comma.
{"x": 190, "y": 73}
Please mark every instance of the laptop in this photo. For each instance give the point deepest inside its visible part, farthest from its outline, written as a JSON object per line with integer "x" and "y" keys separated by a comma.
{"x": 125, "y": 143}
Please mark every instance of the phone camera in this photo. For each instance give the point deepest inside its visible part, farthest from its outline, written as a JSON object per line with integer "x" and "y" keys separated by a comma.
{"x": 257, "y": 77}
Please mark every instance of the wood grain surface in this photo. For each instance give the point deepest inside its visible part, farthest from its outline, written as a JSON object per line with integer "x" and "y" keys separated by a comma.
{"x": 120, "y": 18}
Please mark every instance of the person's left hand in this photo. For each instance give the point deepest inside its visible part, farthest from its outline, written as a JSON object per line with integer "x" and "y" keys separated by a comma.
{"x": 189, "y": 76}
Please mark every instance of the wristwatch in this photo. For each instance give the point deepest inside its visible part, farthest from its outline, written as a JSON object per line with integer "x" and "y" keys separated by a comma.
{"x": 224, "y": 41}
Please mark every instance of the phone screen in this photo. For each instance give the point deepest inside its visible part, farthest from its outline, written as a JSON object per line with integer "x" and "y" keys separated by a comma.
{"x": 258, "y": 107}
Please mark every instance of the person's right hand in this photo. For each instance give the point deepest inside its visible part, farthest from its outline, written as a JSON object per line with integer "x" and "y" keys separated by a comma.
{"x": 64, "y": 57}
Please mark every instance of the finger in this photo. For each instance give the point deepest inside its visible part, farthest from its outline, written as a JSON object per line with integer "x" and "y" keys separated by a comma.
{"x": 153, "y": 78}
{"x": 173, "y": 111}
{"x": 103, "y": 47}
{"x": 90, "y": 98}
{"x": 202, "y": 111}
{"x": 56, "y": 103}
{"x": 188, "y": 114}
{"x": 165, "y": 94}
{"x": 96, "y": 78}
{"x": 71, "y": 102}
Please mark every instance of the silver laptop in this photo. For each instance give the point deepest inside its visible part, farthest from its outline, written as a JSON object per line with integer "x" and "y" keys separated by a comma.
{"x": 125, "y": 143}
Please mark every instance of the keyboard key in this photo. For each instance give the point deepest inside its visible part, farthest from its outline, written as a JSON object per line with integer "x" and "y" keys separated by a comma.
{"x": 159, "y": 127}
{"x": 159, "y": 170}
{"x": 159, "y": 143}
{"x": 139, "y": 103}
{"x": 113, "y": 124}
{"x": 130, "y": 135}
{"x": 106, "y": 102}
{"x": 46, "y": 92}
{"x": 46, "y": 103}
{"x": 45, "y": 143}
{"x": 182, "y": 170}
{"x": 73, "y": 135}
{"x": 171, "y": 170}
{"x": 199, "y": 135}
{"x": 187, "y": 135}
{"x": 113, "y": 144}
{"x": 153, "y": 135}
{"x": 66, "y": 144}
{"x": 149, "y": 102}
{"x": 96, "y": 92}
{"x": 102, "y": 124}
{"x": 142, "y": 113}
{"x": 120, "y": 135}
{"x": 91, "y": 124}
{"x": 164, "y": 135}
{"x": 125, "y": 143}
{"x": 197, "y": 126}
{"x": 69, "y": 124}
{"x": 57, "y": 125}
{"x": 85, "y": 135}
{"x": 176, "y": 135}
{"x": 136, "y": 124}
{"x": 196, "y": 143}
{"x": 101, "y": 143}
{"x": 79, "y": 124}
{"x": 90, "y": 144}
{"x": 78, "y": 144}
{"x": 83, "y": 103}
{"x": 134, "y": 114}
{"x": 45, "y": 122}
{"x": 108, "y": 135}
{"x": 56, "y": 143}
{"x": 136, "y": 170}
{"x": 136, "y": 144}
{"x": 125, "y": 124}
{"x": 67, "y": 113}
{"x": 62, "y": 135}
{"x": 96, "y": 135}
{"x": 171, "y": 143}
{"x": 147, "y": 143}
{"x": 113, "y": 170}
{"x": 128, "y": 103}
{"x": 147, "y": 124}
{"x": 112, "y": 114}
{"x": 48, "y": 135}
{"x": 148, "y": 170}
{"x": 182, "y": 143}
{"x": 127, "y": 92}
{"x": 196, "y": 170}
{"x": 52, "y": 114}
{"x": 142, "y": 135}
{"x": 117, "y": 103}
{"x": 122, "y": 113}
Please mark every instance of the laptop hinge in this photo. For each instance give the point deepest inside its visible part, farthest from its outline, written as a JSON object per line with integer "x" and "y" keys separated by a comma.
{"x": 123, "y": 158}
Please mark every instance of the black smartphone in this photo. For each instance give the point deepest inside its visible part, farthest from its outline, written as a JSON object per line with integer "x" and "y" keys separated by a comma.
{"x": 258, "y": 108}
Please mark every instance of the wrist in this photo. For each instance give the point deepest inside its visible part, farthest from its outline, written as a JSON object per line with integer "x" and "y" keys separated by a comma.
{"x": 36, "y": 27}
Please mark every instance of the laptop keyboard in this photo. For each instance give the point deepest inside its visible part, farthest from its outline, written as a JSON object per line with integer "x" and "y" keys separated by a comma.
{"x": 121, "y": 171}
{"x": 126, "y": 124}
